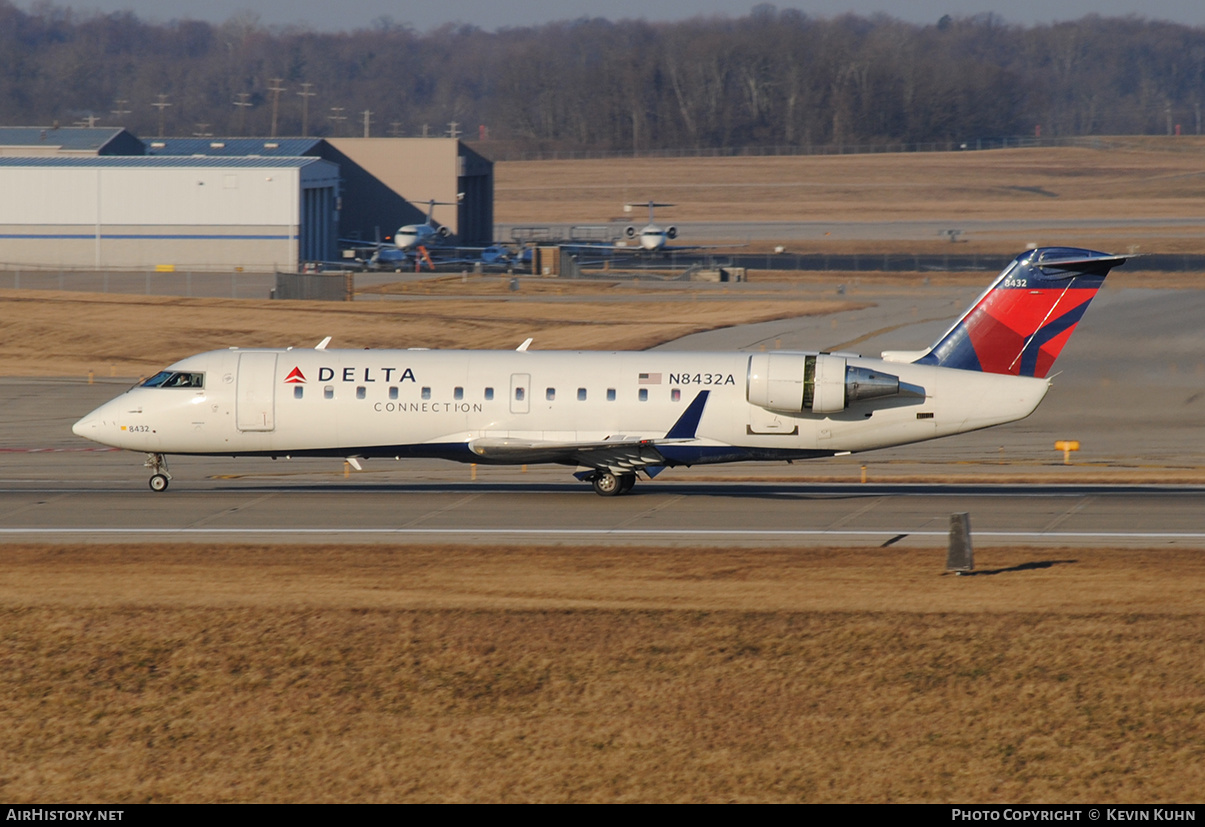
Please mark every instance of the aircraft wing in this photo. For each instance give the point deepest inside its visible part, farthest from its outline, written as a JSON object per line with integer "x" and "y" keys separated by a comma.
{"x": 492, "y": 255}
{"x": 620, "y": 454}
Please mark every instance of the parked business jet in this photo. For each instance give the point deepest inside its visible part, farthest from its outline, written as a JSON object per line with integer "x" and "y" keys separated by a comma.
{"x": 614, "y": 415}
{"x": 652, "y": 236}
{"x": 414, "y": 236}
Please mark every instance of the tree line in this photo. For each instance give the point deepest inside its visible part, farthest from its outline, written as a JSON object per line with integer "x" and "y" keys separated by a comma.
{"x": 772, "y": 78}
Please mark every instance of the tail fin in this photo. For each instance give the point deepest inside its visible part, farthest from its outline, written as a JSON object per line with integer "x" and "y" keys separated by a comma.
{"x": 1021, "y": 323}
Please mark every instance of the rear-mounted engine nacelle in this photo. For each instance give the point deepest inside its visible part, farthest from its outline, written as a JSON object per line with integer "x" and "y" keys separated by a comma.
{"x": 795, "y": 382}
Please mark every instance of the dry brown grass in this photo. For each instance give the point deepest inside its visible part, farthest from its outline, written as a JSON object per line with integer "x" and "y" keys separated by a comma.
{"x": 1148, "y": 180}
{"x": 50, "y": 333}
{"x": 470, "y": 674}
{"x": 1134, "y": 179}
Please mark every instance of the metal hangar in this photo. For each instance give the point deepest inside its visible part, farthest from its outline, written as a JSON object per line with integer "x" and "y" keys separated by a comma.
{"x": 135, "y": 212}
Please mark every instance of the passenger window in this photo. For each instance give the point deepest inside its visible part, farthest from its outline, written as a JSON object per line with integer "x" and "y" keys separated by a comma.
{"x": 458, "y": 393}
{"x": 581, "y": 394}
{"x": 393, "y": 393}
{"x": 489, "y": 394}
{"x": 644, "y": 394}
{"x": 298, "y": 391}
{"x": 610, "y": 394}
{"x": 360, "y": 393}
{"x": 550, "y": 394}
{"x": 328, "y": 392}
{"x": 675, "y": 394}
{"x": 426, "y": 393}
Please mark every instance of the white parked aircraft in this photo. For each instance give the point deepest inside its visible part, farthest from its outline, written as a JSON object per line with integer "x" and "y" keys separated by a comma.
{"x": 652, "y": 236}
{"x": 413, "y": 236}
{"x": 613, "y": 415}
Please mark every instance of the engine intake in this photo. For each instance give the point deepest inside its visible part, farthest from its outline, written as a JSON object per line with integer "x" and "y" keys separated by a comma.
{"x": 795, "y": 382}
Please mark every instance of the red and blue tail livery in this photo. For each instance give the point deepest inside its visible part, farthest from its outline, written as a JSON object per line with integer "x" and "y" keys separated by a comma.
{"x": 1021, "y": 323}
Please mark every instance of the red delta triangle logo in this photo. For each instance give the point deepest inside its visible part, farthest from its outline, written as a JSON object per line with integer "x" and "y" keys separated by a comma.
{"x": 295, "y": 377}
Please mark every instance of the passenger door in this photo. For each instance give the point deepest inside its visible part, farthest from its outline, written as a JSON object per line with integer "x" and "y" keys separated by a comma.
{"x": 255, "y": 396}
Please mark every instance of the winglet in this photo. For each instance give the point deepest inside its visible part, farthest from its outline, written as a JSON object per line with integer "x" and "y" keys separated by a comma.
{"x": 526, "y": 344}
{"x": 322, "y": 345}
{"x": 688, "y": 422}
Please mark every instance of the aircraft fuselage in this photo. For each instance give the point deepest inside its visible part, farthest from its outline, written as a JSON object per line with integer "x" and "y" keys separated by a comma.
{"x": 486, "y": 406}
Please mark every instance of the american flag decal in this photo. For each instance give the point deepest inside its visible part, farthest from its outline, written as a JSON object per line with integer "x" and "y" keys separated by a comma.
{"x": 650, "y": 379}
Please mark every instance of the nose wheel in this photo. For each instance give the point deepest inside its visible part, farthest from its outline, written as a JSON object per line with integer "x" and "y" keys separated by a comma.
{"x": 160, "y": 476}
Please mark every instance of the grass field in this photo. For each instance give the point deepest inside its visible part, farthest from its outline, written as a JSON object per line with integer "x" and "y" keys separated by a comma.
{"x": 1150, "y": 179}
{"x": 1135, "y": 178}
{"x": 51, "y": 333}
{"x": 599, "y": 674}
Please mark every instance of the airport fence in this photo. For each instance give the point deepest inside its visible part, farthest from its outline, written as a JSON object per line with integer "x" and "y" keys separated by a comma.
{"x": 337, "y": 287}
{"x": 340, "y": 286}
{"x": 233, "y": 285}
{"x": 888, "y": 262}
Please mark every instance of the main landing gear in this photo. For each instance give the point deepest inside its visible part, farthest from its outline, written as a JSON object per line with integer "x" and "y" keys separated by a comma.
{"x": 158, "y": 465}
{"x": 607, "y": 484}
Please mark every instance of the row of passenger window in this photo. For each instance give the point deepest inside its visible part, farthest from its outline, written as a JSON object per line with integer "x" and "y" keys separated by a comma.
{"x": 328, "y": 392}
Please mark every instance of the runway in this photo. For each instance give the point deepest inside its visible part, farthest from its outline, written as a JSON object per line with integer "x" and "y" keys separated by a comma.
{"x": 666, "y": 514}
{"x": 1131, "y": 389}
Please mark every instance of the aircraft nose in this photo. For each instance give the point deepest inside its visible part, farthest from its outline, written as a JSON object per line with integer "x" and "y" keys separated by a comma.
{"x": 86, "y": 427}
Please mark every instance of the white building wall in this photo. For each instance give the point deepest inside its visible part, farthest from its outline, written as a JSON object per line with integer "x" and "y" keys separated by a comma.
{"x": 121, "y": 196}
{"x": 127, "y": 217}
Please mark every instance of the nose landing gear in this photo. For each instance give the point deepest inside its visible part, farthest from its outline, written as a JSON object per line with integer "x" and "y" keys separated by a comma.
{"x": 160, "y": 476}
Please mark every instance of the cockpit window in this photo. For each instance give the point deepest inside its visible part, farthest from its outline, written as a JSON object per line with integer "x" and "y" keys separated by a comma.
{"x": 175, "y": 379}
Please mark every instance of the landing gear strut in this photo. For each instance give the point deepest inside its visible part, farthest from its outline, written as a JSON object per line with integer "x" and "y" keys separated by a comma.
{"x": 158, "y": 465}
{"x": 607, "y": 484}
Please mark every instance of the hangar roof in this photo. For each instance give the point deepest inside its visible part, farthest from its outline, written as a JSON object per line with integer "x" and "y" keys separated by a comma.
{"x": 239, "y": 147}
{"x": 42, "y": 139}
{"x": 170, "y": 162}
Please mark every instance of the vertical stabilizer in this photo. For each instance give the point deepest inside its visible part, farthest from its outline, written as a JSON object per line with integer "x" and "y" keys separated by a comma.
{"x": 1020, "y": 325}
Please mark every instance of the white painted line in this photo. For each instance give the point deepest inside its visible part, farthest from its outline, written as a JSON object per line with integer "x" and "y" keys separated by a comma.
{"x": 609, "y": 532}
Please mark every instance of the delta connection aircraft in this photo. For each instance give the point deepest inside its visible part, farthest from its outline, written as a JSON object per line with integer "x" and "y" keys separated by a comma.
{"x": 613, "y": 415}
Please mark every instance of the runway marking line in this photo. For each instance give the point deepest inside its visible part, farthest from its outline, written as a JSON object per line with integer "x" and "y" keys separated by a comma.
{"x": 612, "y": 532}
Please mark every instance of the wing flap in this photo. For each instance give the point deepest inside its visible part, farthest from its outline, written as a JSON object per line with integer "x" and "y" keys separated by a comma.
{"x": 611, "y": 455}
{"x": 619, "y": 454}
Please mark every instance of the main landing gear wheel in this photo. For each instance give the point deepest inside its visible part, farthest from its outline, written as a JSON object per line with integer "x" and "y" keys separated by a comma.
{"x": 607, "y": 484}
{"x": 158, "y": 483}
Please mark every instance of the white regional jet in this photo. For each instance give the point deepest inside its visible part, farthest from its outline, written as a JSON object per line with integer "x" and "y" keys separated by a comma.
{"x": 652, "y": 236}
{"x": 613, "y": 415}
